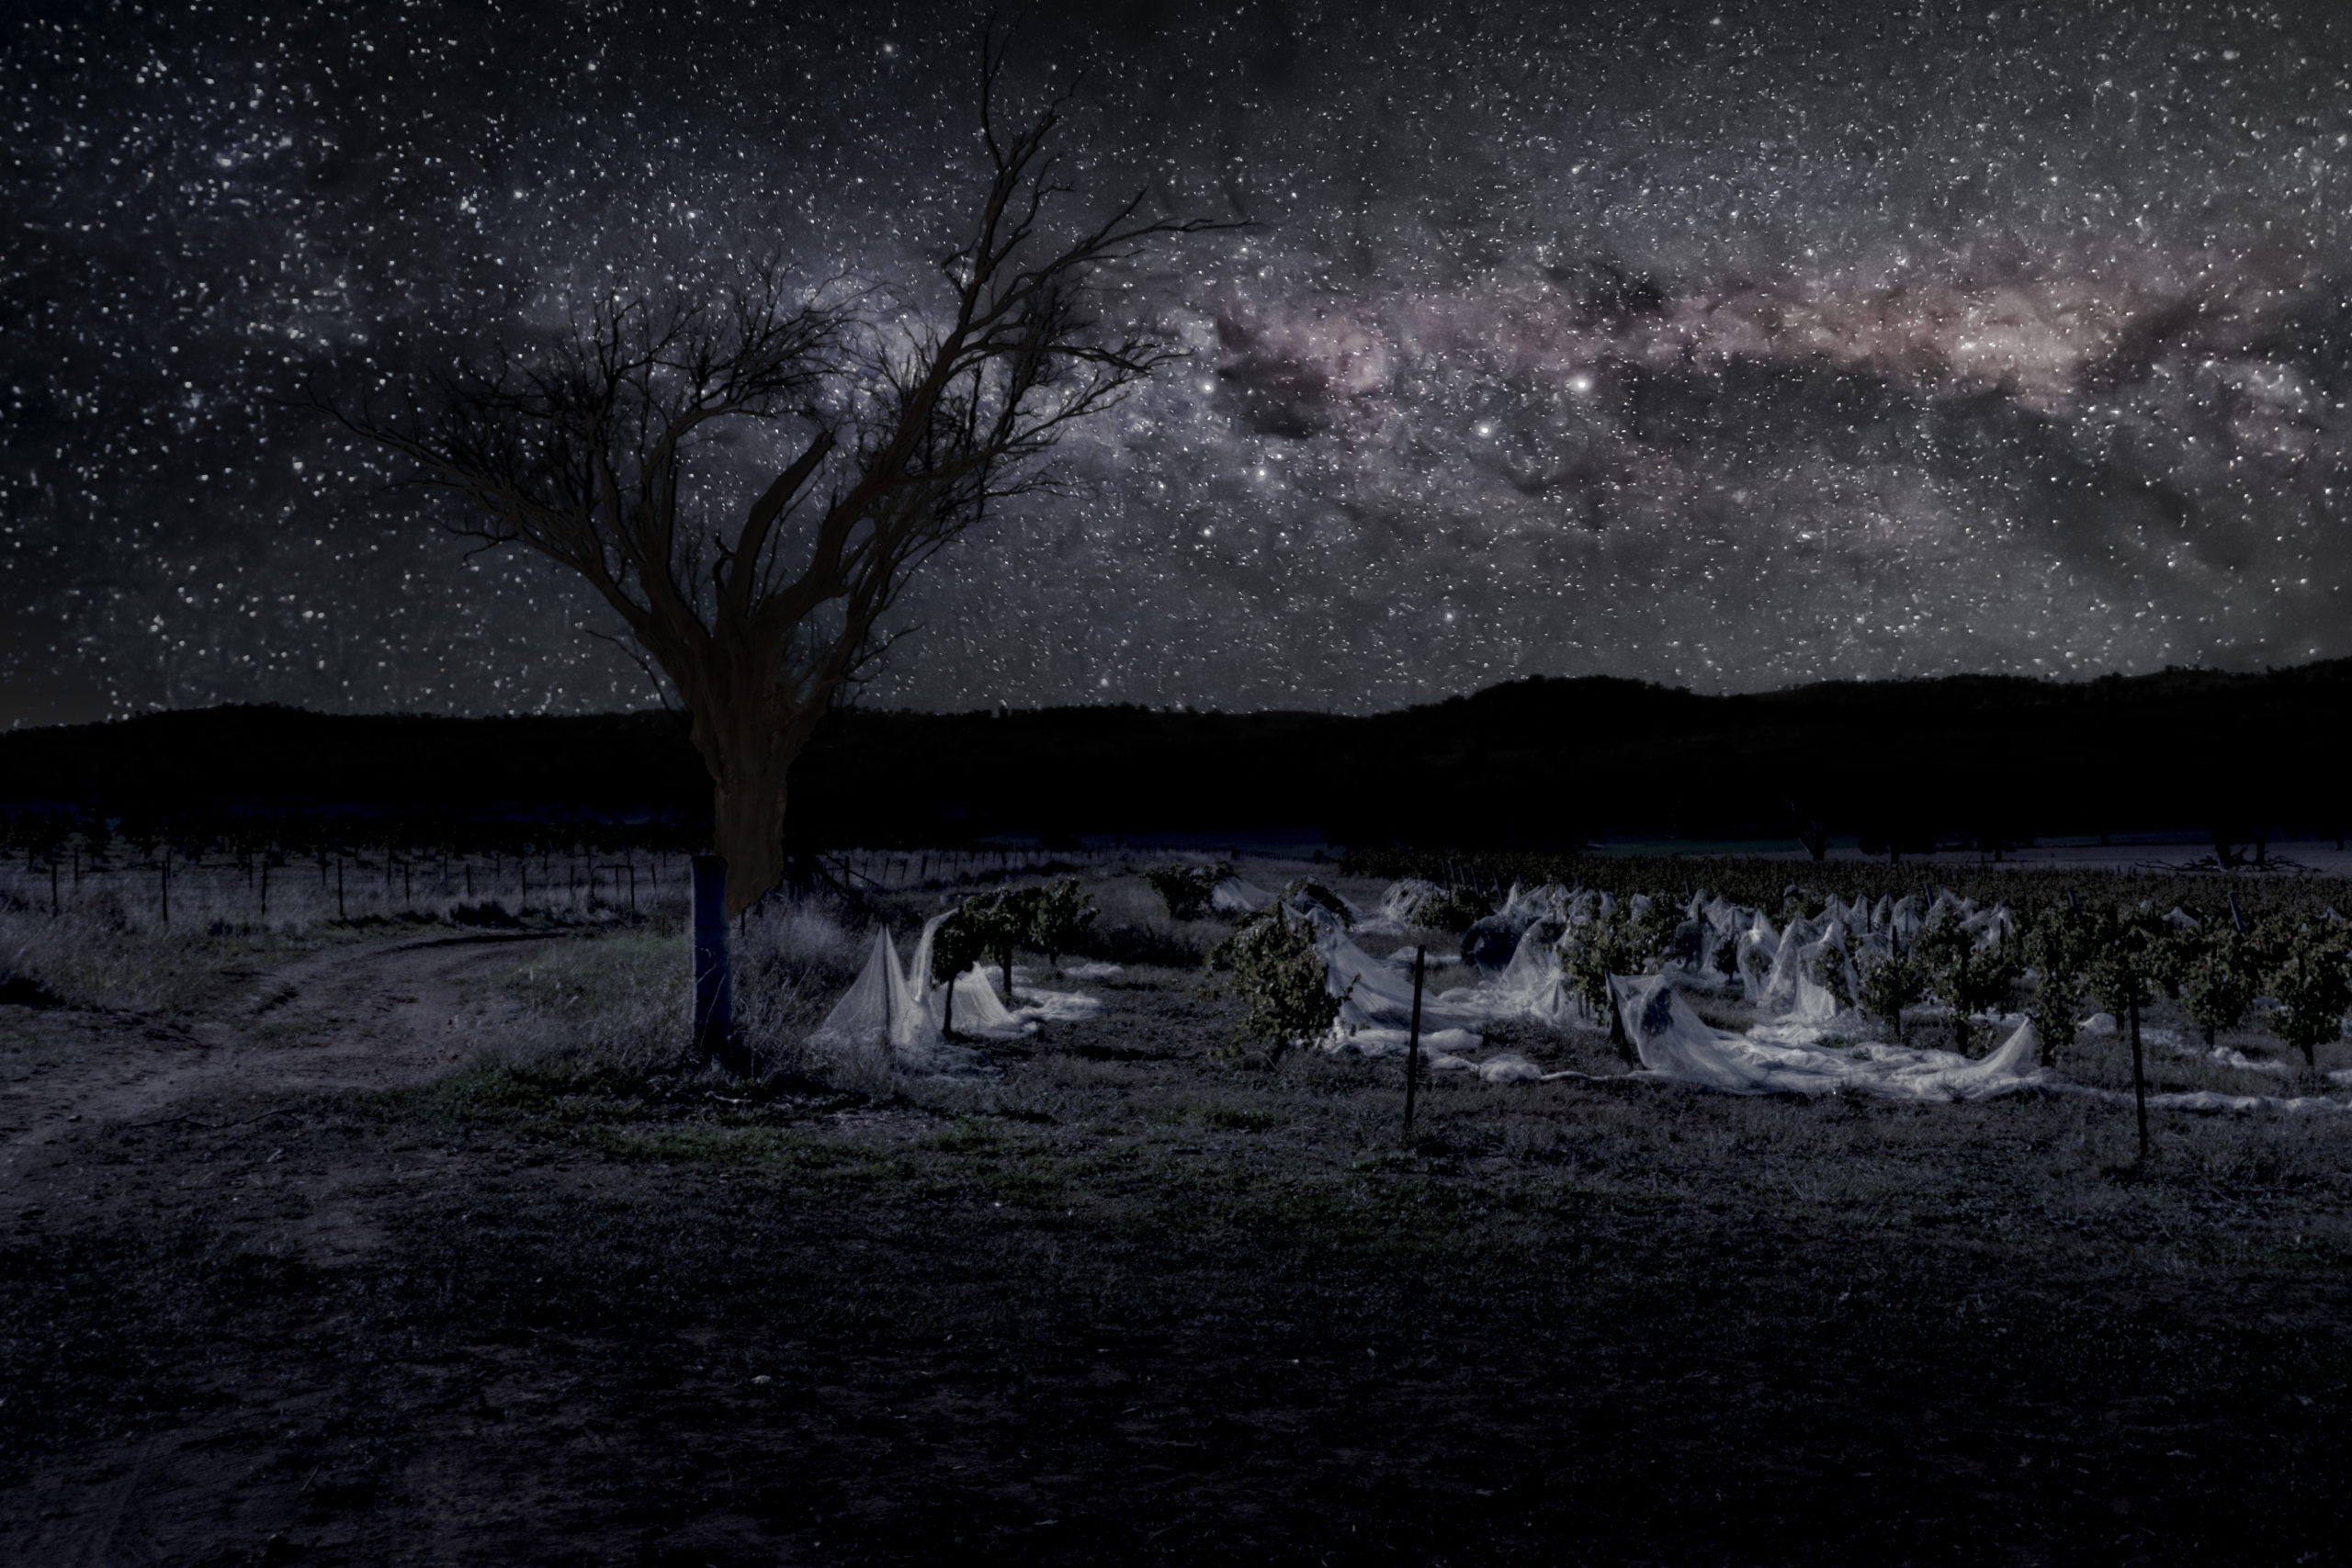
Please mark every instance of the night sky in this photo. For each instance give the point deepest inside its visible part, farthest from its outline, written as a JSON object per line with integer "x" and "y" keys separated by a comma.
{"x": 1728, "y": 346}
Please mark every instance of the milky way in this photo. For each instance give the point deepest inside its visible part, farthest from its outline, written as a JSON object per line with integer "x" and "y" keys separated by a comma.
{"x": 1725, "y": 347}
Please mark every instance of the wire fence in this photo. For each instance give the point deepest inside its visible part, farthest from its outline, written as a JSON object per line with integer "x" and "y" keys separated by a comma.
{"x": 171, "y": 888}
{"x": 165, "y": 886}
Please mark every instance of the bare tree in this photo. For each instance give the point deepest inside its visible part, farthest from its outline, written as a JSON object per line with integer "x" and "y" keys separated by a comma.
{"x": 904, "y": 428}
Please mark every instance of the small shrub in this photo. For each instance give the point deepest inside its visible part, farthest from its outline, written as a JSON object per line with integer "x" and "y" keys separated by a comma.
{"x": 1058, "y": 916}
{"x": 960, "y": 941}
{"x": 2313, "y": 987}
{"x": 1457, "y": 911}
{"x": 1963, "y": 973}
{"x": 1889, "y": 983}
{"x": 958, "y": 944}
{"x": 2058, "y": 947}
{"x": 1275, "y": 967}
{"x": 996, "y": 924}
{"x": 1185, "y": 889}
{"x": 2125, "y": 954}
{"x": 2220, "y": 980}
{"x": 1620, "y": 942}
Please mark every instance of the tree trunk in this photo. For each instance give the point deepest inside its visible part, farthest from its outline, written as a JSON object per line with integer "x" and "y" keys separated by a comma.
{"x": 749, "y": 757}
{"x": 746, "y": 832}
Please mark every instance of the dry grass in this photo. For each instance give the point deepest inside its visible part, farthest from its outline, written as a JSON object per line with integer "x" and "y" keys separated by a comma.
{"x": 91, "y": 958}
{"x": 124, "y": 937}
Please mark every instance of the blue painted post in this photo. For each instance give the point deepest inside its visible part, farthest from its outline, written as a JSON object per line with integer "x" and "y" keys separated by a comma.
{"x": 714, "y": 974}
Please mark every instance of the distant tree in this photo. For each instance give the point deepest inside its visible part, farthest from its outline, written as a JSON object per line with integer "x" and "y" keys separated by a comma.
{"x": 1810, "y": 833}
{"x": 899, "y": 428}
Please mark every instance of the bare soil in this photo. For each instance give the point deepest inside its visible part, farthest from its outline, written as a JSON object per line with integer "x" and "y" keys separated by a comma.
{"x": 374, "y": 1016}
{"x": 295, "y": 1278}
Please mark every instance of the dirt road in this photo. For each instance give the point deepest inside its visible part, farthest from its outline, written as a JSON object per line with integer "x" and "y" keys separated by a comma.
{"x": 378, "y": 1016}
{"x": 362, "y": 1017}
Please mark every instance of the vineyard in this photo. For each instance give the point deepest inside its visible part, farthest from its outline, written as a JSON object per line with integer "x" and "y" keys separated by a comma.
{"x": 1769, "y": 883}
{"x": 349, "y": 1217}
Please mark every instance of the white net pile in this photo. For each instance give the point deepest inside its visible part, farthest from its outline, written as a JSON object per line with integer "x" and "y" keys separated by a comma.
{"x": 893, "y": 1019}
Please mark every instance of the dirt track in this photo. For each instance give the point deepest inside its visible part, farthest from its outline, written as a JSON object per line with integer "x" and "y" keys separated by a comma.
{"x": 342, "y": 1018}
{"x": 379, "y": 1016}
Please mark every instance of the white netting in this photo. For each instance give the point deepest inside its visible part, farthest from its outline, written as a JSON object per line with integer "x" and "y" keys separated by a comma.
{"x": 1674, "y": 1042}
{"x": 1404, "y": 906}
{"x": 1235, "y": 897}
{"x": 892, "y": 1018}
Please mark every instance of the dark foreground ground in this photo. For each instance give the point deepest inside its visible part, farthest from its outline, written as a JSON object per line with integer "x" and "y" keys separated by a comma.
{"x": 1129, "y": 1304}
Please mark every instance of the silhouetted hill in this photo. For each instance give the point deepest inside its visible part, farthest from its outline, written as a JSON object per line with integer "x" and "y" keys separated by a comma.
{"x": 1536, "y": 761}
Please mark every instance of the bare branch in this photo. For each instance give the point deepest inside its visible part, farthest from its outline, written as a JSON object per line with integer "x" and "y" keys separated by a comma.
{"x": 909, "y": 428}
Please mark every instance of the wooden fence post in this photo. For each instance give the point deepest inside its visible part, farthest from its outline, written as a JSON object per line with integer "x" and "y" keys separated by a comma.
{"x": 2139, "y": 1074}
{"x": 1413, "y": 1042}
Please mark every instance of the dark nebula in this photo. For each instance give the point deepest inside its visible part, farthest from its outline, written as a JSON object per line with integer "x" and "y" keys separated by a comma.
{"x": 1724, "y": 345}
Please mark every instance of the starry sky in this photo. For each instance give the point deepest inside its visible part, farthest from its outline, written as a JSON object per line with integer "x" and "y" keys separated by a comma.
{"x": 1730, "y": 347}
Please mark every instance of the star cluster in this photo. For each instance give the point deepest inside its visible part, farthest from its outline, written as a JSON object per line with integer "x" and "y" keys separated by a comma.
{"x": 1730, "y": 347}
